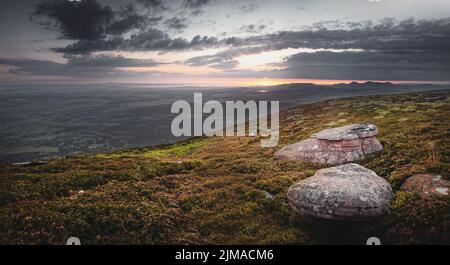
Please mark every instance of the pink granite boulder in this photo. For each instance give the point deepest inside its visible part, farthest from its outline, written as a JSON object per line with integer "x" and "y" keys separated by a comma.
{"x": 345, "y": 192}
{"x": 335, "y": 146}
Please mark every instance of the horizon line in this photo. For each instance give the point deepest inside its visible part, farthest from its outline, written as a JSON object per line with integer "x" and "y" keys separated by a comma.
{"x": 263, "y": 82}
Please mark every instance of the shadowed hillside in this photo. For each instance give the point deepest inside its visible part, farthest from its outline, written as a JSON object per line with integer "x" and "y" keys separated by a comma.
{"x": 229, "y": 190}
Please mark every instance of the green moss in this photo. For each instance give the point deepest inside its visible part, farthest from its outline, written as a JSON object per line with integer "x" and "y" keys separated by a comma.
{"x": 382, "y": 112}
{"x": 399, "y": 200}
{"x": 176, "y": 150}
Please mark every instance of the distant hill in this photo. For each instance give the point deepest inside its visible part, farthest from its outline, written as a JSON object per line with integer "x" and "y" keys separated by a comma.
{"x": 368, "y": 84}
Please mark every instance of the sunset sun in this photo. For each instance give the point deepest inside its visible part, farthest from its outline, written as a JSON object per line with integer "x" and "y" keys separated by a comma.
{"x": 266, "y": 82}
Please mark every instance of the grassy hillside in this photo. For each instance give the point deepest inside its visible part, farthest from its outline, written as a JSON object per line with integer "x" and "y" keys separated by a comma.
{"x": 229, "y": 190}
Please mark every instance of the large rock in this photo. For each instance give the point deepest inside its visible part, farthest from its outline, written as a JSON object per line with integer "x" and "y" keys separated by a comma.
{"x": 335, "y": 146}
{"x": 346, "y": 192}
{"x": 427, "y": 185}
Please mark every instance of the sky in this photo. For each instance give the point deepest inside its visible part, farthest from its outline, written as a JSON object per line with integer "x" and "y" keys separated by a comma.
{"x": 224, "y": 42}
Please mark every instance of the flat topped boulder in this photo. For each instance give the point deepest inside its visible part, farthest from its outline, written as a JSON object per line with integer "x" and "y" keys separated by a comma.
{"x": 349, "y": 132}
{"x": 427, "y": 185}
{"x": 335, "y": 146}
{"x": 345, "y": 192}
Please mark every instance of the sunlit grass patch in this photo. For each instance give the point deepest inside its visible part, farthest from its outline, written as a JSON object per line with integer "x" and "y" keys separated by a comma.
{"x": 182, "y": 149}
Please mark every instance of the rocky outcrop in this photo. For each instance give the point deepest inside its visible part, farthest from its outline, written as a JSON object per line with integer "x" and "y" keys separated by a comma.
{"x": 427, "y": 185}
{"x": 346, "y": 192}
{"x": 335, "y": 146}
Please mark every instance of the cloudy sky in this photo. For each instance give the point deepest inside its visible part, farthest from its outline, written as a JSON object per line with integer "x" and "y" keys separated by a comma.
{"x": 224, "y": 42}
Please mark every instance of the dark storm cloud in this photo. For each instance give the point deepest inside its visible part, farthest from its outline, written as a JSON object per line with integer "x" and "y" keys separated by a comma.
{"x": 408, "y": 35}
{"x": 76, "y": 66}
{"x": 95, "y": 27}
{"x": 406, "y": 59}
{"x": 102, "y": 28}
{"x": 35, "y": 67}
{"x": 89, "y": 46}
{"x": 206, "y": 60}
{"x": 153, "y": 4}
{"x": 422, "y": 35}
{"x": 196, "y": 7}
{"x": 86, "y": 20}
{"x": 388, "y": 36}
{"x": 149, "y": 40}
{"x": 108, "y": 61}
{"x": 405, "y": 50}
{"x": 197, "y": 12}
{"x": 252, "y": 28}
{"x": 177, "y": 23}
{"x": 195, "y": 3}
{"x": 158, "y": 40}
{"x": 368, "y": 66}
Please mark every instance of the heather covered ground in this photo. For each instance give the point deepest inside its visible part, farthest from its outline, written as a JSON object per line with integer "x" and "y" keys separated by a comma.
{"x": 228, "y": 190}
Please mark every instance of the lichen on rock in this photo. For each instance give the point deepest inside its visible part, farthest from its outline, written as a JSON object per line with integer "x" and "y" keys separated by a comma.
{"x": 335, "y": 146}
{"x": 345, "y": 192}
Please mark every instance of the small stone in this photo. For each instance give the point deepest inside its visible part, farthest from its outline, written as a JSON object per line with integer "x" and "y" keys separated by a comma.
{"x": 267, "y": 194}
{"x": 426, "y": 185}
{"x": 443, "y": 191}
{"x": 346, "y": 192}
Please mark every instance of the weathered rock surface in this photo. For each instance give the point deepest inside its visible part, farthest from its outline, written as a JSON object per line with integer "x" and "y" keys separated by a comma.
{"x": 345, "y": 192}
{"x": 335, "y": 146}
{"x": 427, "y": 185}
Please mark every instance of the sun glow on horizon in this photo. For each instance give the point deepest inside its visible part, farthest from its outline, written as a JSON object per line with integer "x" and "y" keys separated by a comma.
{"x": 265, "y": 82}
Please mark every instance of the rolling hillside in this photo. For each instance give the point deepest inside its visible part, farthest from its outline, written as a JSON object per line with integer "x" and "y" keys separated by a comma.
{"x": 229, "y": 190}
